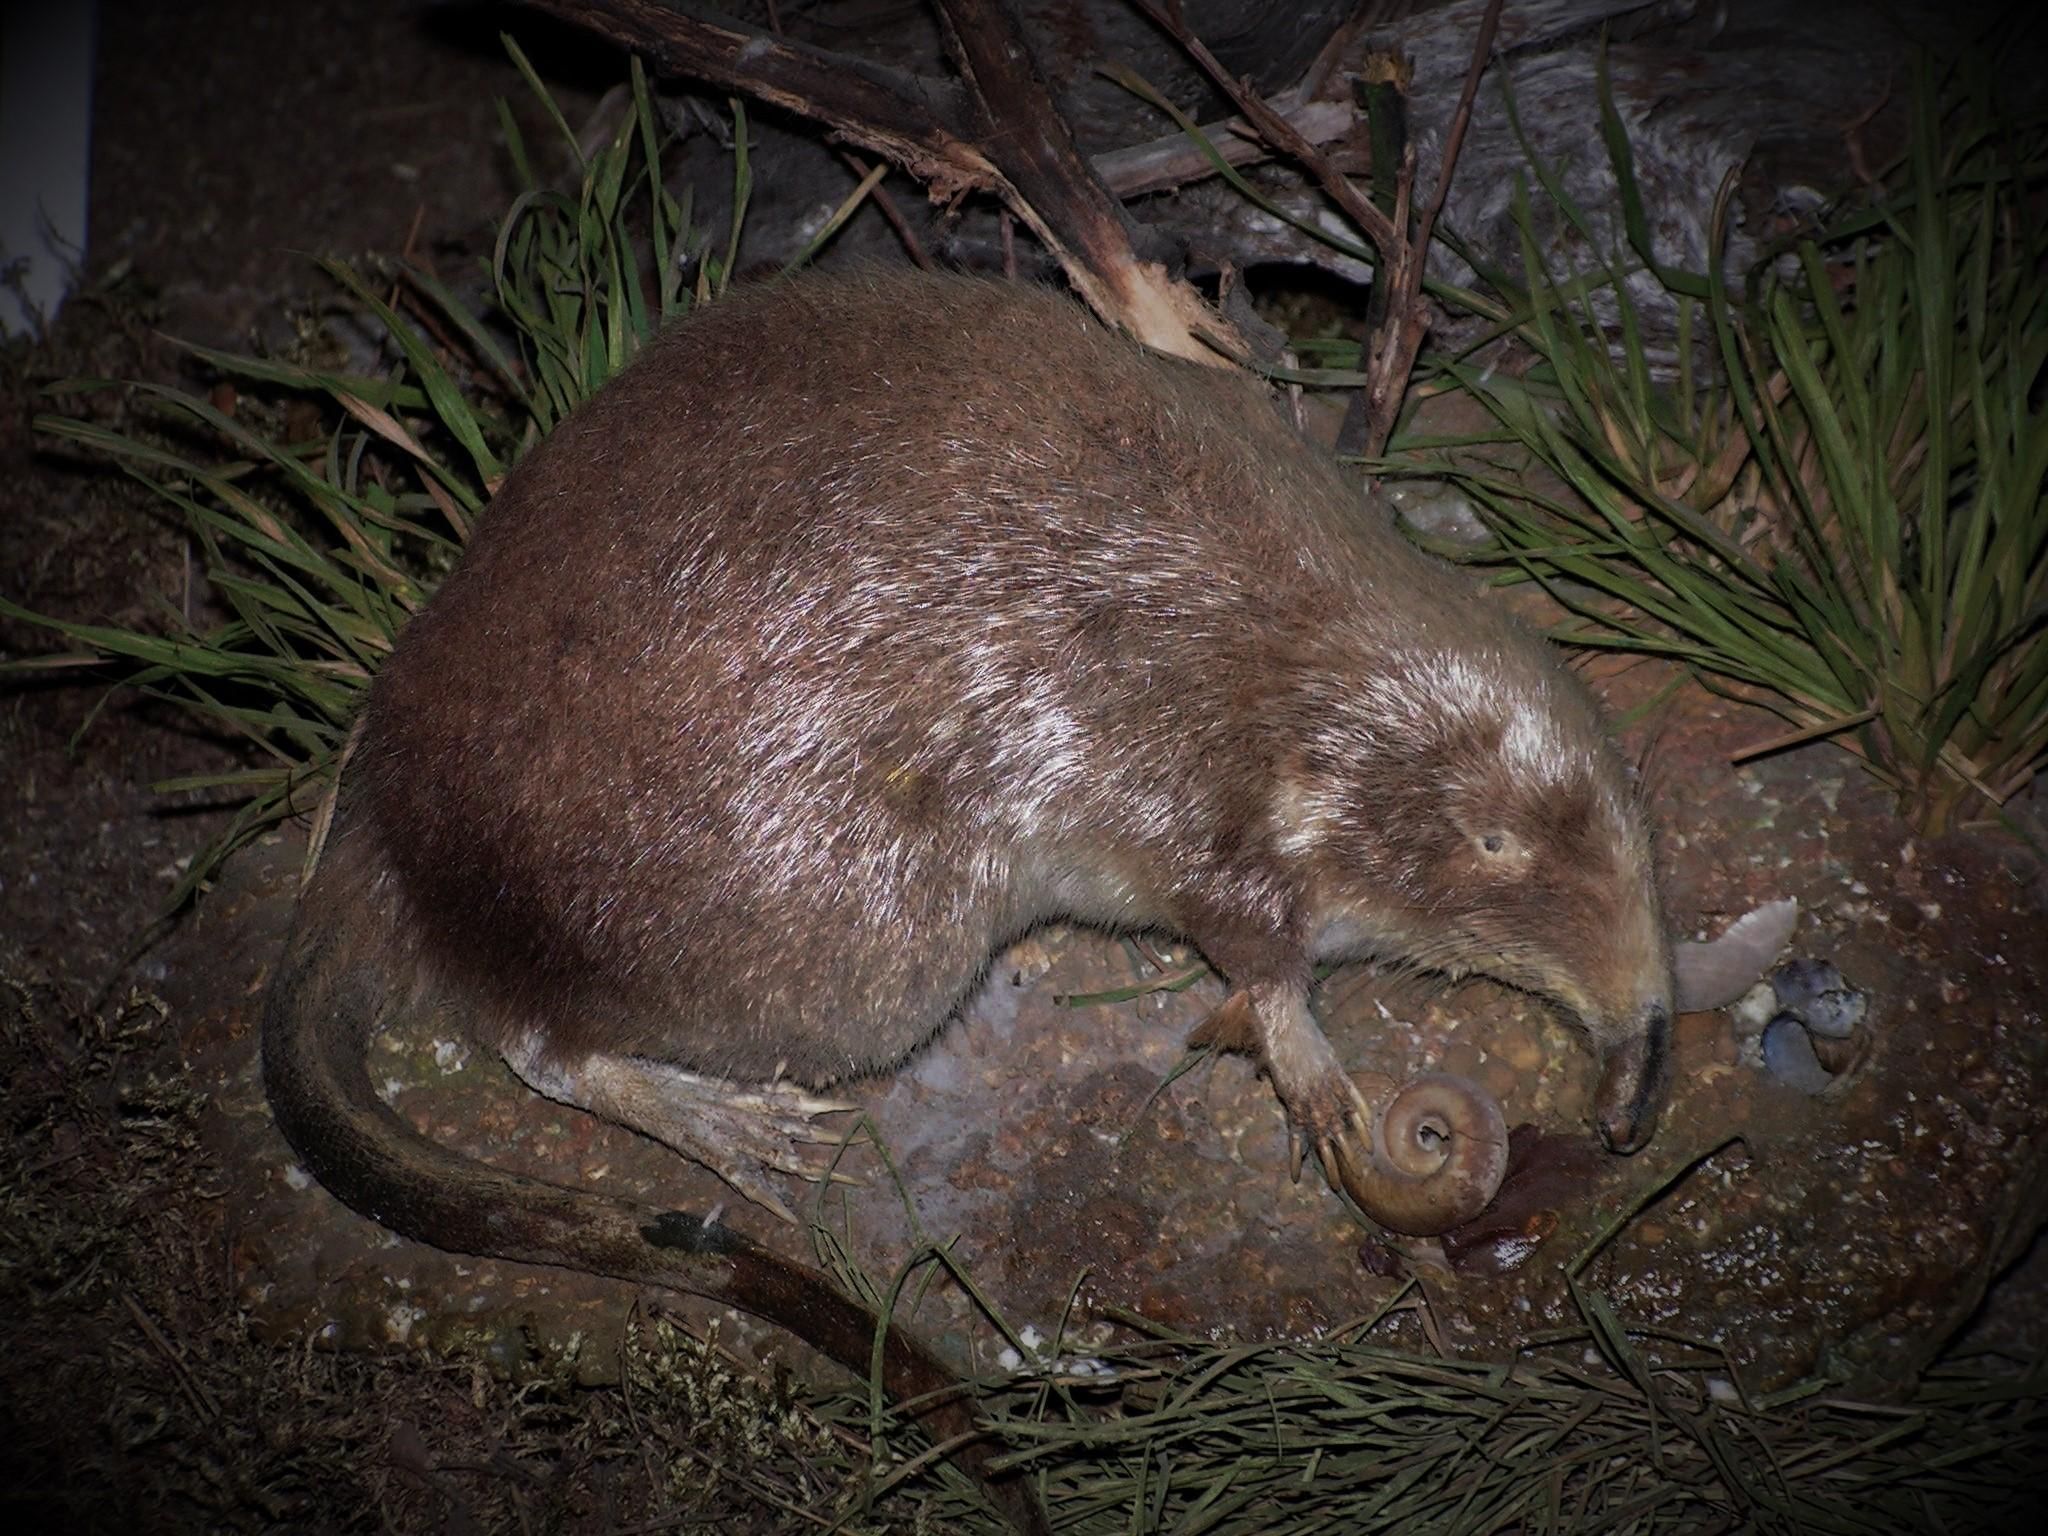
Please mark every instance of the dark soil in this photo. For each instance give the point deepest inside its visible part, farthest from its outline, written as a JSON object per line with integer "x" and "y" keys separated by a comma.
{"x": 150, "y": 1373}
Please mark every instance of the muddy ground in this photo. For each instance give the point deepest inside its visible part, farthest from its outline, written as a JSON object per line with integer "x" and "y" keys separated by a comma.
{"x": 170, "y": 1264}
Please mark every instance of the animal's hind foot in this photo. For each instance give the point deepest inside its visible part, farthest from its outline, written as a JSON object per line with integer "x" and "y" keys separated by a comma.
{"x": 741, "y": 1132}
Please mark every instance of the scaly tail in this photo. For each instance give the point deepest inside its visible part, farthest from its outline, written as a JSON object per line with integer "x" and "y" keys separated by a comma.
{"x": 331, "y": 994}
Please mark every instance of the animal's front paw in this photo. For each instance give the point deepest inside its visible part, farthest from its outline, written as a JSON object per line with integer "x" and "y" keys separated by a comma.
{"x": 1333, "y": 1118}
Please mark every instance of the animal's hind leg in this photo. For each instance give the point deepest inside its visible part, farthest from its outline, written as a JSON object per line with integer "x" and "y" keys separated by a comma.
{"x": 740, "y": 1133}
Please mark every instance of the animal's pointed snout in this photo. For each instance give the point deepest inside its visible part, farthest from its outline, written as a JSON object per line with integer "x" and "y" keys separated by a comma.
{"x": 1633, "y": 1084}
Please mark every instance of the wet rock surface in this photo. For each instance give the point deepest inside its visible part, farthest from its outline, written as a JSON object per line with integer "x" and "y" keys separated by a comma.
{"x": 1048, "y": 1140}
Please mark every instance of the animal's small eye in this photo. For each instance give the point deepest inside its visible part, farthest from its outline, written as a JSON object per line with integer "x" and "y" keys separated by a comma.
{"x": 1496, "y": 846}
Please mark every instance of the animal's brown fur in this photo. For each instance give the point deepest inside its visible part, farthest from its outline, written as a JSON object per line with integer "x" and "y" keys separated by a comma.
{"x": 866, "y": 622}
{"x": 861, "y": 613}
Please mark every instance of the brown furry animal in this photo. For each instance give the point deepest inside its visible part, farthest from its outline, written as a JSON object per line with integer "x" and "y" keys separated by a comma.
{"x": 861, "y": 625}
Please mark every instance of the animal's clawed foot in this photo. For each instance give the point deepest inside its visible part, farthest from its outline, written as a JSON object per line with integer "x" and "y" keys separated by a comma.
{"x": 1326, "y": 1112}
{"x": 1418, "y": 1158}
{"x": 744, "y": 1133}
{"x": 1334, "y": 1119}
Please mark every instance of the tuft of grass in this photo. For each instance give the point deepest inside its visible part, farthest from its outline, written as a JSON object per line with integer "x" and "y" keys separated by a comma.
{"x": 1236, "y": 1439}
{"x": 1839, "y": 508}
{"x": 320, "y": 551}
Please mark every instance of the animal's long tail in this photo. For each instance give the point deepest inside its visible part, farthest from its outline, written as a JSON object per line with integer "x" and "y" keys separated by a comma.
{"x": 331, "y": 993}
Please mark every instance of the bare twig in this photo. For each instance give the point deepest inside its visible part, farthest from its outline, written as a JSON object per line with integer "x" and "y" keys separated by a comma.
{"x": 995, "y": 130}
{"x": 1396, "y": 341}
{"x": 1454, "y": 140}
{"x": 907, "y": 236}
{"x": 195, "y": 1390}
{"x": 887, "y": 204}
{"x": 917, "y": 122}
{"x": 1048, "y": 185}
{"x": 1277, "y": 130}
{"x": 1174, "y": 160}
{"x": 1393, "y": 348}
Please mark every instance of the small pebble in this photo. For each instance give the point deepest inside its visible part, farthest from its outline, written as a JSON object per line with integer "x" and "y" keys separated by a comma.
{"x": 1815, "y": 993}
{"x": 1798, "y": 982}
{"x": 1754, "y": 1009}
{"x": 1789, "y": 1057}
{"x": 1835, "y": 1014}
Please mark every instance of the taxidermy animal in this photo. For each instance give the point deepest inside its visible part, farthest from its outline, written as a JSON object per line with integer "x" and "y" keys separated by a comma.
{"x": 859, "y": 626}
